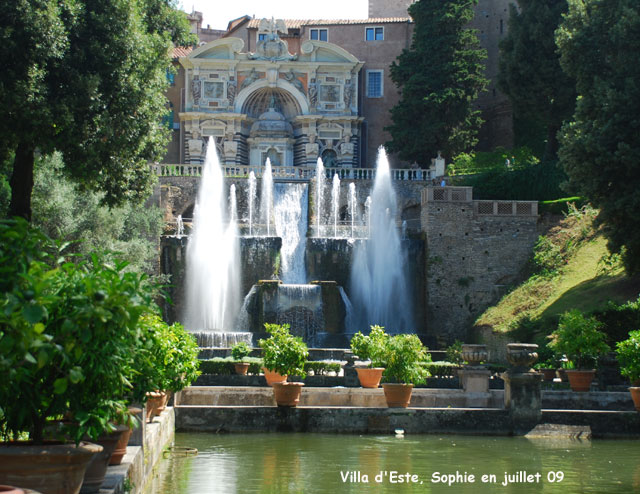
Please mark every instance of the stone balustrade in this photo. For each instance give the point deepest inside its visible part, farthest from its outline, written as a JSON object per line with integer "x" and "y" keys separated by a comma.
{"x": 302, "y": 173}
{"x": 480, "y": 208}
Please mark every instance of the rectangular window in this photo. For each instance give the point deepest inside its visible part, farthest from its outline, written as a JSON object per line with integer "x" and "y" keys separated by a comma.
{"x": 318, "y": 34}
{"x": 374, "y": 84}
{"x": 374, "y": 34}
{"x": 262, "y": 36}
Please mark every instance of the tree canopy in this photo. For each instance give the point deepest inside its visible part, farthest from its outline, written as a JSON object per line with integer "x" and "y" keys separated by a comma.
{"x": 439, "y": 78}
{"x": 86, "y": 78}
{"x": 541, "y": 94}
{"x": 599, "y": 43}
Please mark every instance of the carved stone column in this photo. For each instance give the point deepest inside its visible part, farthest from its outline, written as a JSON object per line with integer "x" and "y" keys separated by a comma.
{"x": 522, "y": 395}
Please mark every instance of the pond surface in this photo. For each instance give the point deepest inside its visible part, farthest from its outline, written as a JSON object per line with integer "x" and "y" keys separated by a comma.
{"x": 334, "y": 464}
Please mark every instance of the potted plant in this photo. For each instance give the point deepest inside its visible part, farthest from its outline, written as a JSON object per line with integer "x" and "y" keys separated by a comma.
{"x": 628, "y": 354}
{"x": 239, "y": 352}
{"x": 404, "y": 355}
{"x": 68, "y": 332}
{"x": 579, "y": 338}
{"x": 286, "y": 355}
{"x": 371, "y": 347}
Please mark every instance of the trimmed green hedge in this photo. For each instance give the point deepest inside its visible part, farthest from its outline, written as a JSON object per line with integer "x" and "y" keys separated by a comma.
{"x": 225, "y": 366}
{"x": 440, "y": 368}
{"x": 560, "y": 206}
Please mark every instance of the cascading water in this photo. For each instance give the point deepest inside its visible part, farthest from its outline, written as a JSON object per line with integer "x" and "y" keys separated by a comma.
{"x": 320, "y": 180}
{"x": 213, "y": 252}
{"x": 290, "y": 214}
{"x": 179, "y": 226}
{"x": 233, "y": 205}
{"x": 379, "y": 290}
{"x": 335, "y": 203}
{"x": 352, "y": 205}
{"x": 266, "y": 198}
{"x": 367, "y": 214}
{"x": 252, "y": 200}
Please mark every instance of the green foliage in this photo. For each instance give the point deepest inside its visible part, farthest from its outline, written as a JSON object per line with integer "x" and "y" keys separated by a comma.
{"x": 440, "y": 369}
{"x": 618, "y": 319}
{"x": 530, "y": 182}
{"x": 547, "y": 256}
{"x": 283, "y": 352}
{"x": 68, "y": 335}
{"x": 579, "y": 338}
{"x": 171, "y": 362}
{"x": 225, "y": 366}
{"x": 482, "y": 161}
{"x": 240, "y": 351}
{"x": 628, "y": 353}
{"x": 542, "y": 95}
{"x": 560, "y": 206}
{"x": 62, "y": 211}
{"x": 371, "y": 347}
{"x": 454, "y": 353}
{"x": 599, "y": 42}
{"x": 405, "y": 353}
{"x": 90, "y": 83}
{"x": 439, "y": 78}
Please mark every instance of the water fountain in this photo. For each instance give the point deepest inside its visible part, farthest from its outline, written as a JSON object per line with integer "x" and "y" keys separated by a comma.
{"x": 379, "y": 290}
{"x": 266, "y": 198}
{"x": 251, "y": 200}
{"x": 179, "y": 226}
{"x": 290, "y": 214}
{"x": 320, "y": 182}
{"x": 213, "y": 267}
{"x": 352, "y": 205}
{"x": 335, "y": 203}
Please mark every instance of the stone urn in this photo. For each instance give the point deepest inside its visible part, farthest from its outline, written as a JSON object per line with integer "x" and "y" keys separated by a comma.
{"x": 522, "y": 356}
{"x": 474, "y": 354}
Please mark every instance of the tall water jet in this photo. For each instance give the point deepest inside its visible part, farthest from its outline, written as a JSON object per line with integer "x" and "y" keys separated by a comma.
{"x": 252, "y": 200}
{"x": 367, "y": 214}
{"x": 290, "y": 214}
{"x": 233, "y": 205}
{"x": 213, "y": 253}
{"x": 335, "y": 203}
{"x": 352, "y": 205}
{"x": 179, "y": 226}
{"x": 379, "y": 289}
{"x": 320, "y": 179}
{"x": 266, "y": 198}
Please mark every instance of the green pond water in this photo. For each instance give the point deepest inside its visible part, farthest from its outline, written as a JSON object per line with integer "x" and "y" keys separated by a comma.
{"x": 325, "y": 463}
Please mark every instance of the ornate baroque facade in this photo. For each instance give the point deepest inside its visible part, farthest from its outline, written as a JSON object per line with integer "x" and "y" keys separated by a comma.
{"x": 291, "y": 108}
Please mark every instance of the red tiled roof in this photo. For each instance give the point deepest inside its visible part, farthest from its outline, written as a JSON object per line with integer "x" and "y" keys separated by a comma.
{"x": 181, "y": 51}
{"x": 298, "y": 23}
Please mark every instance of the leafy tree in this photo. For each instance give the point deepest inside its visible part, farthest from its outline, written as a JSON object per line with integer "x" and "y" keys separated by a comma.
{"x": 439, "y": 77}
{"x": 63, "y": 212}
{"x": 87, "y": 78}
{"x": 599, "y": 42}
{"x": 542, "y": 95}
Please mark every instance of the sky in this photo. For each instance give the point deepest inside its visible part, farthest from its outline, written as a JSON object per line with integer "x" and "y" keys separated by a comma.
{"x": 218, "y": 13}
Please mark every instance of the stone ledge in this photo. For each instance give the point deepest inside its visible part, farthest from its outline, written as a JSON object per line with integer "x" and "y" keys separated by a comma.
{"x": 138, "y": 463}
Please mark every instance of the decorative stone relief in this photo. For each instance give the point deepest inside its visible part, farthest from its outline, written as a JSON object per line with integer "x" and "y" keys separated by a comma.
{"x": 292, "y": 78}
{"x": 272, "y": 48}
{"x": 231, "y": 92}
{"x": 196, "y": 89}
{"x": 250, "y": 79}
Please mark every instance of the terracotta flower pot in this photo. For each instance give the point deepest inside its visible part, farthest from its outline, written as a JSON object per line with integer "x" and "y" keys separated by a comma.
{"x": 548, "y": 374}
{"x": 154, "y": 403}
{"x": 635, "y": 396}
{"x": 242, "y": 368}
{"x": 397, "y": 395}
{"x": 369, "y": 376}
{"x": 287, "y": 394}
{"x": 121, "y": 445}
{"x": 580, "y": 380}
{"x": 53, "y": 468}
{"x": 97, "y": 468}
{"x": 273, "y": 377}
{"x": 7, "y": 489}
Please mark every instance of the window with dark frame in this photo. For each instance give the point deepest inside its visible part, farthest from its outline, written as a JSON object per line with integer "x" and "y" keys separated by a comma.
{"x": 374, "y": 34}
{"x": 318, "y": 34}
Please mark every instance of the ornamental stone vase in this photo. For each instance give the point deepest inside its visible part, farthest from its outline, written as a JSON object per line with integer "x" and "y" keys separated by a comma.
{"x": 522, "y": 356}
{"x": 474, "y": 354}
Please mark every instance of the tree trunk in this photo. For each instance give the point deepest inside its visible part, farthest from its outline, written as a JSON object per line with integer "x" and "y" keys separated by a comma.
{"x": 22, "y": 181}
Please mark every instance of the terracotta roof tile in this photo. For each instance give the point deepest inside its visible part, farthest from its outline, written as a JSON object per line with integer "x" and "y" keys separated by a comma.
{"x": 298, "y": 23}
{"x": 181, "y": 51}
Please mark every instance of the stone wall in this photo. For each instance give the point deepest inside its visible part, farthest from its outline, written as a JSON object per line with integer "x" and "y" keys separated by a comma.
{"x": 472, "y": 256}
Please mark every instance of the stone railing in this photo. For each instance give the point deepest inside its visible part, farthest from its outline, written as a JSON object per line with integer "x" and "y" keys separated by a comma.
{"x": 480, "y": 208}
{"x": 447, "y": 194}
{"x": 302, "y": 173}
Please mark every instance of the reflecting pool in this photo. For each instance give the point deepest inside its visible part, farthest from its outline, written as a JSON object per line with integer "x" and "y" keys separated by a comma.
{"x": 334, "y": 464}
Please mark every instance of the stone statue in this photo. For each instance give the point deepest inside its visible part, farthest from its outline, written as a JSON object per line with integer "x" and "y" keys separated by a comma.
{"x": 196, "y": 90}
{"x": 348, "y": 93}
{"x": 231, "y": 92}
{"x": 272, "y": 47}
{"x": 250, "y": 79}
{"x": 291, "y": 78}
{"x": 313, "y": 93}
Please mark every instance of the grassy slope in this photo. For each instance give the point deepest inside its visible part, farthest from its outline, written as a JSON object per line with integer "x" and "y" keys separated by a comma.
{"x": 580, "y": 283}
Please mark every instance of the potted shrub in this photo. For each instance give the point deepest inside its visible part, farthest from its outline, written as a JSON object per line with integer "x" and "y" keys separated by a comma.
{"x": 68, "y": 332}
{"x": 371, "y": 347}
{"x": 579, "y": 338}
{"x": 628, "y": 354}
{"x": 404, "y": 356}
{"x": 285, "y": 354}
{"x": 239, "y": 352}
